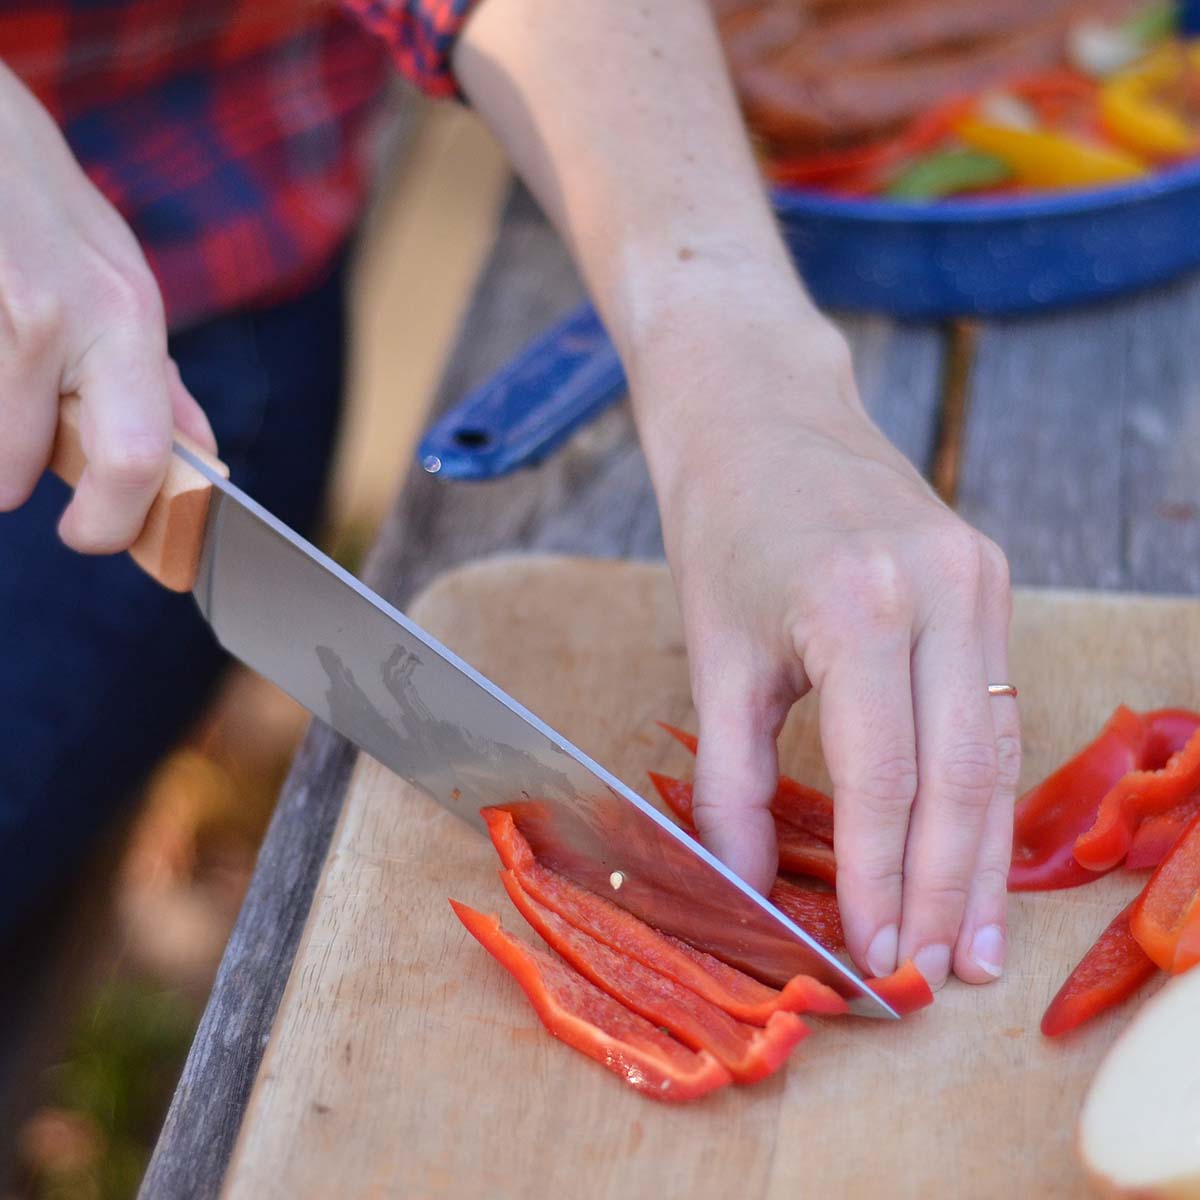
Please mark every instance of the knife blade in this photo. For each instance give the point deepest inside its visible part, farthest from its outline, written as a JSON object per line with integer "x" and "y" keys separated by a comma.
{"x": 292, "y": 614}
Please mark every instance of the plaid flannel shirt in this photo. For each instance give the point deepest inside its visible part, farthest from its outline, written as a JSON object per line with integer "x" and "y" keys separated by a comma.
{"x": 232, "y": 135}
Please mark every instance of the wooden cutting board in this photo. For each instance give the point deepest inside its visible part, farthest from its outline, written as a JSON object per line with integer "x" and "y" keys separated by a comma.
{"x": 404, "y": 1062}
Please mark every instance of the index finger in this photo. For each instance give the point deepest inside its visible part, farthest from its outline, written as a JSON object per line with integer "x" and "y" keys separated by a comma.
{"x": 126, "y": 423}
{"x": 867, "y": 735}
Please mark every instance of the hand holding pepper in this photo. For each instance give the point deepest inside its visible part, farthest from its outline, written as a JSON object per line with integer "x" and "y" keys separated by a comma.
{"x": 806, "y": 549}
{"x": 809, "y": 553}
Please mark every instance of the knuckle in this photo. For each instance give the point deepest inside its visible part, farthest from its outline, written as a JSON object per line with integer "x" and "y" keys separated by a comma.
{"x": 967, "y": 775}
{"x": 130, "y": 294}
{"x": 887, "y": 788}
{"x": 1008, "y": 760}
{"x": 991, "y": 878}
{"x": 33, "y": 318}
{"x": 945, "y": 892}
{"x": 960, "y": 552}
{"x": 996, "y": 562}
{"x": 872, "y": 586}
{"x": 877, "y": 874}
{"x": 137, "y": 464}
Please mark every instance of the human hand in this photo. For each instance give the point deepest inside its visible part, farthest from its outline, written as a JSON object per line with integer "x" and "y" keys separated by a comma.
{"x": 80, "y": 312}
{"x": 808, "y": 552}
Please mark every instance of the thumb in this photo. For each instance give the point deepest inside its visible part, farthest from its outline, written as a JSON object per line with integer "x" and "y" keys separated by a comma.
{"x": 737, "y": 768}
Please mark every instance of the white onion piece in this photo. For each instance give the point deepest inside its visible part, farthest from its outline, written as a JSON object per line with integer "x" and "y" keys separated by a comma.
{"x": 1139, "y": 1131}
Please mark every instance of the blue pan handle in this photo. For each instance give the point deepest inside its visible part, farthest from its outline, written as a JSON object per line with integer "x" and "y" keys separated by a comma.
{"x": 557, "y": 383}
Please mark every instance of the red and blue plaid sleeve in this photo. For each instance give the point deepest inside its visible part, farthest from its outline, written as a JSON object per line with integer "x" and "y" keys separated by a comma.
{"x": 420, "y": 35}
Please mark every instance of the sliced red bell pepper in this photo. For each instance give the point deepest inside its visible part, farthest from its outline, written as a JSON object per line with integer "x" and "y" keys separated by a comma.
{"x": 1156, "y": 835}
{"x": 815, "y": 912}
{"x": 595, "y": 1024}
{"x": 737, "y": 993}
{"x": 1053, "y": 814}
{"x": 1167, "y": 732}
{"x": 800, "y": 851}
{"x": 1110, "y": 972}
{"x": 799, "y": 805}
{"x": 1131, "y": 800}
{"x": 1166, "y": 916}
{"x": 747, "y": 1052}
{"x": 905, "y": 989}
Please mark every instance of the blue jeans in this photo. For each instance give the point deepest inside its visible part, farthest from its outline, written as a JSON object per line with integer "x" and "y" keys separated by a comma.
{"x": 101, "y": 670}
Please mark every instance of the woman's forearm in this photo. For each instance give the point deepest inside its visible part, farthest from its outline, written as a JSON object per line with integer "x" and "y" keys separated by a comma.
{"x": 621, "y": 118}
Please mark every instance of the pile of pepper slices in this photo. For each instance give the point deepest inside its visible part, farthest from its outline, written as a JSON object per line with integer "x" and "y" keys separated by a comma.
{"x": 676, "y": 1023}
{"x": 1118, "y": 111}
{"x": 673, "y": 1022}
{"x": 1131, "y": 797}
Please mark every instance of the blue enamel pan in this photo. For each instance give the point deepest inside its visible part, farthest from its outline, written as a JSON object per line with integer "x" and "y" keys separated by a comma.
{"x": 987, "y": 257}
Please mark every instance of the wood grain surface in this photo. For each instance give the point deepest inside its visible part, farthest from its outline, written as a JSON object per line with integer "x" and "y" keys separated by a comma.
{"x": 591, "y": 497}
{"x": 1082, "y": 451}
{"x": 404, "y": 1062}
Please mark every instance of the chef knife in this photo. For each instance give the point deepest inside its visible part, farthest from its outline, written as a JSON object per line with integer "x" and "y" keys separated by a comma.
{"x": 293, "y": 615}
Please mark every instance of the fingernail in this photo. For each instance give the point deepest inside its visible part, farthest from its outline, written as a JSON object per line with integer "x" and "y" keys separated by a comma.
{"x": 881, "y": 953}
{"x": 987, "y": 950}
{"x": 934, "y": 963}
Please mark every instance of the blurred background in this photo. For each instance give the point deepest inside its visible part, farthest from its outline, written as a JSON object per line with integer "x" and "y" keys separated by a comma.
{"x": 139, "y": 956}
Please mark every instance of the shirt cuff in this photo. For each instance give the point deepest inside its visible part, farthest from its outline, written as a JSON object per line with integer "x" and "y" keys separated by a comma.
{"x": 420, "y": 34}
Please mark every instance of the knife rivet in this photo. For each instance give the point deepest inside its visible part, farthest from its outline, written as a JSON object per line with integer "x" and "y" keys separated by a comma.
{"x": 431, "y": 463}
{"x": 616, "y": 879}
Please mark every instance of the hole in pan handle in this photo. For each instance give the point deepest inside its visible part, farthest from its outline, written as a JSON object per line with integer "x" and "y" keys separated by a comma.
{"x": 559, "y": 382}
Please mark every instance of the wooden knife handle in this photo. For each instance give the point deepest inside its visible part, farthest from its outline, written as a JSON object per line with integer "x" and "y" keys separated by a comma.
{"x": 168, "y": 548}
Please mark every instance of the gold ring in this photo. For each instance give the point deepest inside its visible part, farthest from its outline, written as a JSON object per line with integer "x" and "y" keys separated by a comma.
{"x": 1001, "y": 689}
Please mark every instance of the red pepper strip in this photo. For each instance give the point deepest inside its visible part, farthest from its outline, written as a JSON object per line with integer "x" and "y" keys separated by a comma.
{"x": 802, "y": 806}
{"x": 1140, "y": 794}
{"x": 815, "y": 912}
{"x": 593, "y": 1023}
{"x": 1111, "y": 971}
{"x": 800, "y": 851}
{"x": 689, "y": 741}
{"x": 1168, "y": 731}
{"x": 905, "y": 989}
{"x": 829, "y": 166}
{"x": 1052, "y": 815}
{"x": 1187, "y": 953}
{"x": 736, "y": 992}
{"x": 1058, "y": 81}
{"x": 747, "y": 1052}
{"x": 1156, "y": 835}
{"x": 1166, "y": 916}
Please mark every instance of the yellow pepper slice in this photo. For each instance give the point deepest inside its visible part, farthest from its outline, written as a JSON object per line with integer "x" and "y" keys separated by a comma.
{"x": 1051, "y": 160}
{"x": 1134, "y": 114}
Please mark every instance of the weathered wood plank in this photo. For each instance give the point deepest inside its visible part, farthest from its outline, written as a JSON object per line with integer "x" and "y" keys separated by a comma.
{"x": 593, "y": 497}
{"x": 1082, "y": 454}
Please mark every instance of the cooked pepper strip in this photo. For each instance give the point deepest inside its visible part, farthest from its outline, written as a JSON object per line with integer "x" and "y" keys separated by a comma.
{"x": 815, "y": 912}
{"x": 904, "y": 989}
{"x": 946, "y": 173}
{"x": 1048, "y": 160}
{"x": 749, "y": 1053}
{"x": 1135, "y": 797}
{"x": 592, "y": 1022}
{"x": 1156, "y": 835}
{"x": 1134, "y": 113}
{"x": 1111, "y": 971}
{"x": 736, "y": 992}
{"x": 1053, "y": 814}
{"x": 1166, "y": 916}
{"x": 800, "y": 851}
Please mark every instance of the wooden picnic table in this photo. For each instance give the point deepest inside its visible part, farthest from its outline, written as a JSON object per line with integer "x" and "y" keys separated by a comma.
{"x": 1072, "y": 439}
